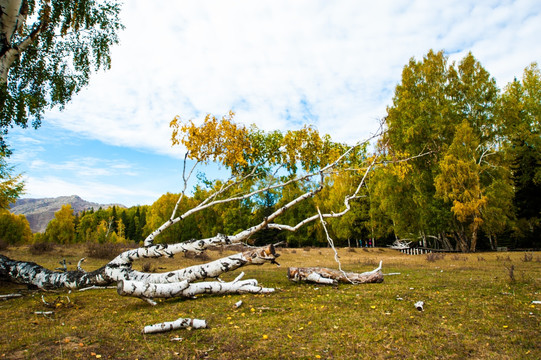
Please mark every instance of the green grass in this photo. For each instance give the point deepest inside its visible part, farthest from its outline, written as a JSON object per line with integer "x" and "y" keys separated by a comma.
{"x": 473, "y": 309}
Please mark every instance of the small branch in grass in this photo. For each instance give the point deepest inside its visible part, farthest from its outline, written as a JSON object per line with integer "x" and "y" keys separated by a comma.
{"x": 44, "y": 313}
{"x": 10, "y": 296}
{"x": 63, "y": 267}
{"x": 94, "y": 287}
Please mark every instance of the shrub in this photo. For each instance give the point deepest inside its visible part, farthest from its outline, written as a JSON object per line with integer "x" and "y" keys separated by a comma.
{"x": 434, "y": 256}
{"x": 3, "y": 245}
{"x": 511, "y": 272}
{"x": 459, "y": 258}
{"x": 197, "y": 255}
{"x": 105, "y": 251}
{"x": 41, "y": 247}
{"x": 148, "y": 268}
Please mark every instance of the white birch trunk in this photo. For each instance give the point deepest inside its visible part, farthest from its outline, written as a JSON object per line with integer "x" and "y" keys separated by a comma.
{"x": 146, "y": 291}
{"x": 120, "y": 269}
{"x": 32, "y": 274}
{"x": 174, "y": 325}
{"x": 13, "y": 14}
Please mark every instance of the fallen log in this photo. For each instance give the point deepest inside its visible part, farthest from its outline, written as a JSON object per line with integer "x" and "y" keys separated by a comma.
{"x": 146, "y": 291}
{"x": 174, "y": 325}
{"x": 32, "y": 274}
{"x": 323, "y": 275}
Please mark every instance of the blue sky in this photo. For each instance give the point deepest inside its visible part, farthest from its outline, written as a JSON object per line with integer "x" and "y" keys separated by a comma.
{"x": 278, "y": 64}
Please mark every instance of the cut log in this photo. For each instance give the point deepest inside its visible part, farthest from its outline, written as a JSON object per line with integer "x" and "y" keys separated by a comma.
{"x": 174, "y": 325}
{"x": 322, "y": 275}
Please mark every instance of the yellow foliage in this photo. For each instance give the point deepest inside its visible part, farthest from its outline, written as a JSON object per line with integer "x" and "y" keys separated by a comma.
{"x": 397, "y": 168}
{"x": 236, "y": 146}
{"x": 215, "y": 139}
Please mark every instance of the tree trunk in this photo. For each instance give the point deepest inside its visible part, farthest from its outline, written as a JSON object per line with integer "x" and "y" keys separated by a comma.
{"x": 13, "y": 14}
{"x": 331, "y": 276}
{"x": 119, "y": 269}
{"x": 146, "y": 291}
{"x": 34, "y": 275}
{"x": 174, "y": 325}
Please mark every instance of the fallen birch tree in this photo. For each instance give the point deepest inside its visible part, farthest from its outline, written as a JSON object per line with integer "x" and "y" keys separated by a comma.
{"x": 250, "y": 162}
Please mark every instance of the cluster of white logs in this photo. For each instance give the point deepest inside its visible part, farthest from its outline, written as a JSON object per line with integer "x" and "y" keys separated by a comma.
{"x": 178, "y": 283}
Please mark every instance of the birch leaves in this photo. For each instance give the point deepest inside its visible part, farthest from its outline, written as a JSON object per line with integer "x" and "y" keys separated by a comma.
{"x": 240, "y": 148}
{"x": 216, "y": 140}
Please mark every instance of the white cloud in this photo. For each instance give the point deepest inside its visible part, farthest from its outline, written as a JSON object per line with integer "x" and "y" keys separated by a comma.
{"x": 281, "y": 63}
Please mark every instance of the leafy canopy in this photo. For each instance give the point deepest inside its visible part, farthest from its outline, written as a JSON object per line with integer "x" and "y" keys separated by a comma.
{"x": 11, "y": 186}
{"x": 48, "y": 49}
{"x": 240, "y": 148}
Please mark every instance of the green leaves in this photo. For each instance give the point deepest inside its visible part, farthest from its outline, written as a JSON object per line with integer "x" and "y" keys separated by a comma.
{"x": 240, "y": 148}
{"x": 11, "y": 186}
{"x": 451, "y": 111}
{"x": 57, "y": 48}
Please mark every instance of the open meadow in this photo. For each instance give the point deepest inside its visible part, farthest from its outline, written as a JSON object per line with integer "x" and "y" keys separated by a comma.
{"x": 476, "y": 306}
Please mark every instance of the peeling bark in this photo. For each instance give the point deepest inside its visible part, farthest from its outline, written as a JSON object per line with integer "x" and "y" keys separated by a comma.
{"x": 120, "y": 269}
{"x": 331, "y": 276}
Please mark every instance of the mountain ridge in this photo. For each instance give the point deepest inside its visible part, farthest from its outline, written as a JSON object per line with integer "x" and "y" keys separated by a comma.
{"x": 39, "y": 211}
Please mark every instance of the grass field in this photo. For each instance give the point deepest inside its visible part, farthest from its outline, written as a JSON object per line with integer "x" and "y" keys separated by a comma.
{"x": 477, "y": 306}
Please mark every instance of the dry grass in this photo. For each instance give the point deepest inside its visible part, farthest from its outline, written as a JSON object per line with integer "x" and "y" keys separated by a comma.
{"x": 472, "y": 310}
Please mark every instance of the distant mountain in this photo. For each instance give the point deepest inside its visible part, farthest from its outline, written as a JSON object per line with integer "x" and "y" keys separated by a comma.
{"x": 40, "y": 211}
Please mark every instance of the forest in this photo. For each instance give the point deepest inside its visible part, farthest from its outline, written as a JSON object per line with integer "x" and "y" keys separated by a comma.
{"x": 457, "y": 167}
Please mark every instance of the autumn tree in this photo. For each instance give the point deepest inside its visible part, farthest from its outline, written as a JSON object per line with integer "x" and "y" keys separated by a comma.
{"x": 303, "y": 155}
{"x": 449, "y": 111}
{"x": 61, "y": 228}
{"x": 14, "y": 229}
{"x": 48, "y": 49}
{"x": 11, "y": 186}
{"x": 160, "y": 211}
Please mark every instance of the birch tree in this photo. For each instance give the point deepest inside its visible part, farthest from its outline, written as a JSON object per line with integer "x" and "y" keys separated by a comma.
{"x": 448, "y": 110}
{"x": 303, "y": 155}
{"x": 48, "y": 49}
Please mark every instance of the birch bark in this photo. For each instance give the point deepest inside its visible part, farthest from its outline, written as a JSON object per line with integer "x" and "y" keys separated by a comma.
{"x": 331, "y": 276}
{"x": 119, "y": 269}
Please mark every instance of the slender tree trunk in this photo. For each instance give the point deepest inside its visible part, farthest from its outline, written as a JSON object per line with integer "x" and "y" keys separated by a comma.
{"x": 473, "y": 243}
{"x": 12, "y": 16}
{"x": 445, "y": 242}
